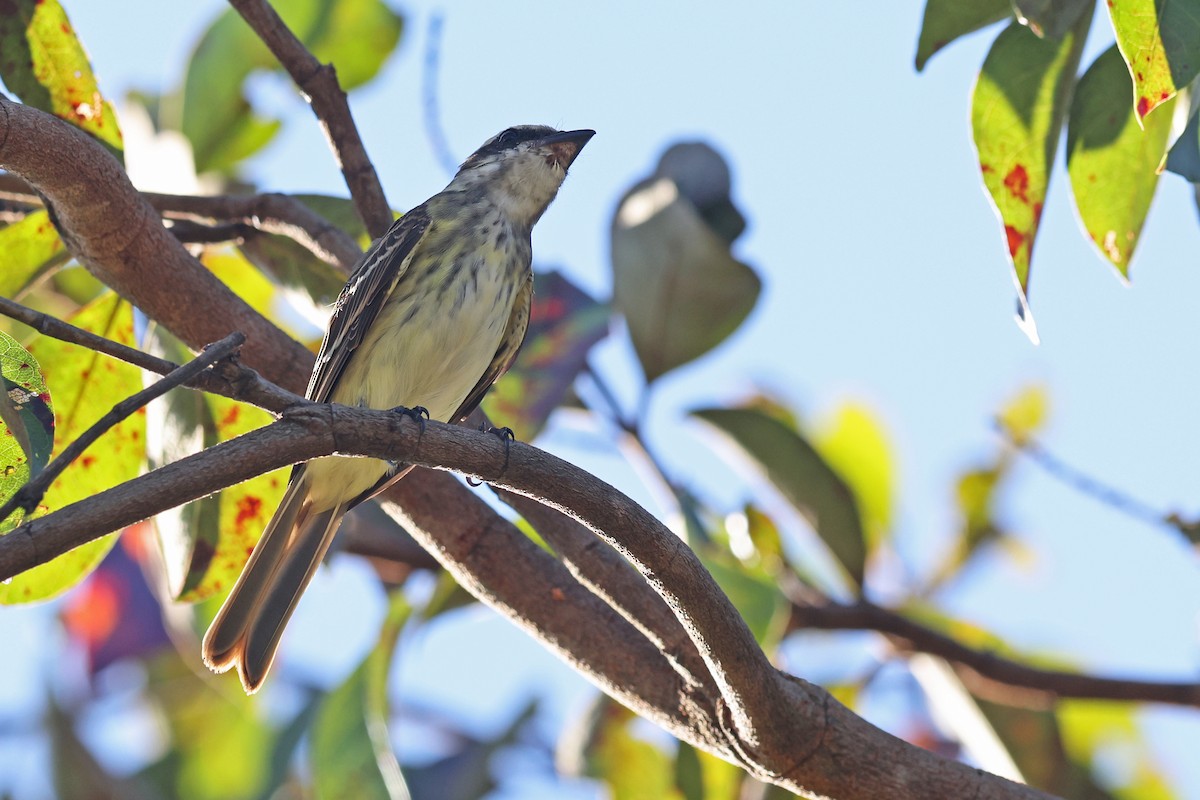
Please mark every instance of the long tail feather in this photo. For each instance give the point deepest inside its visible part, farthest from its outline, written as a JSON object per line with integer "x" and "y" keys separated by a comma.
{"x": 247, "y": 629}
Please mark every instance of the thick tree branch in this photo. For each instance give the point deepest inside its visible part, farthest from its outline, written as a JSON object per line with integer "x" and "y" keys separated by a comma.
{"x": 319, "y": 84}
{"x": 805, "y": 742}
{"x": 121, "y": 239}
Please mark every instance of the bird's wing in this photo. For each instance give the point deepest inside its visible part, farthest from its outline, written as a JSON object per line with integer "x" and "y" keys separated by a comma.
{"x": 510, "y": 343}
{"x": 363, "y": 296}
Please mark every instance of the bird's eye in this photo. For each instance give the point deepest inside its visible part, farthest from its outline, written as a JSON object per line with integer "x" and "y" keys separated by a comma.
{"x": 508, "y": 137}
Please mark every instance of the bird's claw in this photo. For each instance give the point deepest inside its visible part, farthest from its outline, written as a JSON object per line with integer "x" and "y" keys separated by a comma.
{"x": 417, "y": 414}
{"x": 507, "y": 436}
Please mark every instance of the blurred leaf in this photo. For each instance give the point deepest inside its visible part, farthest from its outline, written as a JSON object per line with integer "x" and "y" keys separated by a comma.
{"x": 86, "y": 385}
{"x": 631, "y": 768}
{"x": 1017, "y": 110}
{"x": 114, "y": 615}
{"x": 27, "y": 416}
{"x": 1184, "y": 156}
{"x": 293, "y": 266}
{"x": 976, "y": 492}
{"x": 855, "y": 445}
{"x": 349, "y": 749}
{"x": 247, "y": 281}
{"x": 802, "y": 476}
{"x": 77, "y": 774}
{"x": 284, "y": 749}
{"x": 220, "y": 749}
{"x": 753, "y": 593}
{"x": 564, "y": 325}
{"x": 28, "y": 246}
{"x": 1024, "y": 415}
{"x": 946, "y": 20}
{"x": 1112, "y": 162}
{"x": 356, "y": 36}
{"x": 45, "y": 65}
{"x": 340, "y": 211}
{"x": 75, "y": 282}
{"x": 1160, "y": 42}
{"x": 764, "y": 535}
{"x": 1052, "y": 19}
{"x": 701, "y": 776}
{"x": 680, "y": 290}
{"x": 1094, "y": 733}
{"x": 466, "y": 773}
{"x": 447, "y": 596}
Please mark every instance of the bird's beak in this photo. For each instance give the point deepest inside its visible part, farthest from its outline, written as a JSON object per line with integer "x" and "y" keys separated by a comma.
{"x": 565, "y": 146}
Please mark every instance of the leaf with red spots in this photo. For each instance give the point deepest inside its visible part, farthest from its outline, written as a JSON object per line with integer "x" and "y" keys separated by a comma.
{"x": 564, "y": 325}
{"x": 26, "y": 421}
{"x": 1112, "y": 161}
{"x": 27, "y": 246}
{"x": 1017, "y": 110}
{"x": 43, "y": 63}
{"x": 1160, "y": 42}
{"x": 947, "y": 20}
{"x": 205, "y": 543}
{"x": 85, "y": 385}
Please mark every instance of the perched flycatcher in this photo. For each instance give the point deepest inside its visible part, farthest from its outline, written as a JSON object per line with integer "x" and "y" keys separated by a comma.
{"x": 433, "y": 314}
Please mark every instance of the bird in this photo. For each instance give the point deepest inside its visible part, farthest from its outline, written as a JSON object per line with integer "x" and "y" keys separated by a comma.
{"x": 431, "y": 316}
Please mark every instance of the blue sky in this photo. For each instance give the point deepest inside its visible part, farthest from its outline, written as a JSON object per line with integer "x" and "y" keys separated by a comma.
{"x": 886, "y": 282}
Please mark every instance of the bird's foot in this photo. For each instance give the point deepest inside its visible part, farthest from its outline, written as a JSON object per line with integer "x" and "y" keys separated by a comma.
{"x": 507, "y": 436}
{"x": 417, "y": 414}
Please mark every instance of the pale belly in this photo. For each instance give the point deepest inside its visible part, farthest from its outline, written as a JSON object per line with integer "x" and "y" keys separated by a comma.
{"x": 430, "y": 359}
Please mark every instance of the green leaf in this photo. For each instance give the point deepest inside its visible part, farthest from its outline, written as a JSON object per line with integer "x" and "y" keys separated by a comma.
{"x": 1112, "y": 161}
{"x": 27, "y": 416}
{"x": 28, "y": 246}
{"x": 631, "y": 768}
{"x": 701, "y": 776}
{"x": 946, "y": 20}
{"x": 349, "y": 748}
{"x": 45, "y": 65}
{"x": 86, "y": 385}
{"x": 803, "y": 477}
{"x": 356, "y": 36}
{"x": 753, "y": 593}
{"x": 564, "y": 324}
{"x": 1025, "y": 413}
{"x": 675, "y": 281}
{"x": 1051, "y": 18}
{"x": 856, "y": 447}
{"x": 1017, "y": 110}
{"x": 1184, "y": 157}
{"x": 1160, "y": 42}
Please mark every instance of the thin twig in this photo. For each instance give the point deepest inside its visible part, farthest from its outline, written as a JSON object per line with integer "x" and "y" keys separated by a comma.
{"x": 229, "y": 379}
{"x": 429, "y": 96}
{"x": 1006, "y": 680}
{"x": 189, "y": 232}
{"x": 1093, "y": 487}
{"x": 28, "y": 496}
{"x": 319, "y": 84}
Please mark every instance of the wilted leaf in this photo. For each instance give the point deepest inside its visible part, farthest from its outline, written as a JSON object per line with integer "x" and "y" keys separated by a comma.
{"x": 356, "y": 36}
{"x": 1112, "y": 161}
{"x": 675, "y": 281}
{"x": 564, "y": 325}
{"x": 946, "y": 20}
{"x": 86, "y": 385}
{"x": 349, "y": 748}
{"x": 27, "y": 417}
{"x": 27, "y": 247}
{"x": 45, "y": 65}
{"x": 802, "y": 476}
{"x": 1160, "y": 41}
{"x": 1051, "y": 18}
{"x": 1017, "y": 110}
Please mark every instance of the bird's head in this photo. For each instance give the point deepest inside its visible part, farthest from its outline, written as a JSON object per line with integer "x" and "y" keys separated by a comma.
{"x": 521, "y": 168}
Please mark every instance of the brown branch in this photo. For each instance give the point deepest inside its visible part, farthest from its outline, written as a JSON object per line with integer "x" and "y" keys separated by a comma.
{"x": 800, "y": 742}
{"x": 270, "y": 213}
{"x": 1003, "y": 679}
{"x": 120, "y": 238}
{"x": 228, "y": 378}
{"x": 319, "y": 84}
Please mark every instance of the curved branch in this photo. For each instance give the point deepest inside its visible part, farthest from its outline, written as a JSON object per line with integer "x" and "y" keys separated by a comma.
{"x": 320, "y": 85}
{"x": 120, "y": 238}
{"x": 824, "y": 733}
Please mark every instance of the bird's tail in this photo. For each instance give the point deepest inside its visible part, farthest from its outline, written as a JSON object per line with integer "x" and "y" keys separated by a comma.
{"x": 246, "y": 631}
